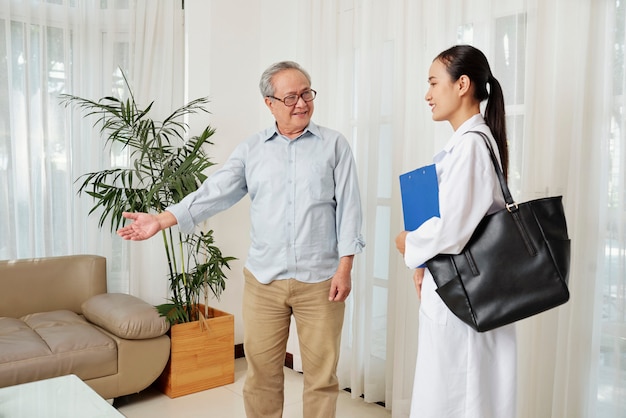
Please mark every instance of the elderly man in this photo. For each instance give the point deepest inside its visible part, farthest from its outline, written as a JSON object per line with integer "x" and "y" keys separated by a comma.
{"x": 306, "y": 221}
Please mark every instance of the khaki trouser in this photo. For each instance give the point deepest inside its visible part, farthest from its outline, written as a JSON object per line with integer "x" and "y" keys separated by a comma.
{"x": 267, "y": 311}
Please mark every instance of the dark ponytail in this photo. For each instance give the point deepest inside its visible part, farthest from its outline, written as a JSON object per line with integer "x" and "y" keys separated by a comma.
{"x": 467, "y": 60}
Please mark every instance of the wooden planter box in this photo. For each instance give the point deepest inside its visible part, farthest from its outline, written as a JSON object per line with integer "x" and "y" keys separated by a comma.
{"x": 201, "y": 357}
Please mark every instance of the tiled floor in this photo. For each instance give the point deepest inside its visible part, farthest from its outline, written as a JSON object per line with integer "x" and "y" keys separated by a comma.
{"x": 227, "y": 402}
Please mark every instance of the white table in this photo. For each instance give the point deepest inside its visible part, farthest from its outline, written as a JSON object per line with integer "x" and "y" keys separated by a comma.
{"x": 59, "y": 397}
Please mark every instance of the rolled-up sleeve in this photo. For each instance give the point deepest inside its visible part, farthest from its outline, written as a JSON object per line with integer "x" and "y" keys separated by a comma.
{"x": 349, "y": 214}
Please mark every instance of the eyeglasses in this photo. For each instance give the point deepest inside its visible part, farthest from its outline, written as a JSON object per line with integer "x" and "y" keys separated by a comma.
{"x": 292, "y": 99}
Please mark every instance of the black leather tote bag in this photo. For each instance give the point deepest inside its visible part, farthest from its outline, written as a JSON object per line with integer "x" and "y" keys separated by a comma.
{"x": 515, "y": 265}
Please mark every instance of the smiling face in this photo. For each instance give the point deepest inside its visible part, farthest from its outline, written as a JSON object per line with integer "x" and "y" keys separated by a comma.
{"x": 443, "y": 95}
{"x": 290, "y": 120}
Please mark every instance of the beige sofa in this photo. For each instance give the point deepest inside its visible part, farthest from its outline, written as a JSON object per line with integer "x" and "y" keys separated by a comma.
{"x": 56, "y": 318}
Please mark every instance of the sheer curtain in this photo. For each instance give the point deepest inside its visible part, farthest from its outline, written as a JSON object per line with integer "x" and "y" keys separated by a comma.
{"x": 561, "y": 64}
{"x": 77, "y": 47}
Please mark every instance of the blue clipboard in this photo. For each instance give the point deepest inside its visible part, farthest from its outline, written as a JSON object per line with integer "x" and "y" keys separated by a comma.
{"x": 420, "y": 196}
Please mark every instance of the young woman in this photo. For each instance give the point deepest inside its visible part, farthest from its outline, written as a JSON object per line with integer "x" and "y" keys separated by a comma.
{"x": 461, "y": 373}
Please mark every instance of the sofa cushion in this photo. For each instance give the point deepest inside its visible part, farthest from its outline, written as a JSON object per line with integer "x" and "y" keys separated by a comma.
{"x": 48, "y": 344}
{"x": 125, "y": 315}
{"x": 18, "y": 341}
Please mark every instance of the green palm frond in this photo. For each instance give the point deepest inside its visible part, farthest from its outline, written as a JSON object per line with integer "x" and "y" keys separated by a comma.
{"x": 165, "y": 167}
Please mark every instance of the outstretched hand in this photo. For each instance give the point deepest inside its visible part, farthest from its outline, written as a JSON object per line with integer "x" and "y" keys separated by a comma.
{"x": 143, "y": 226}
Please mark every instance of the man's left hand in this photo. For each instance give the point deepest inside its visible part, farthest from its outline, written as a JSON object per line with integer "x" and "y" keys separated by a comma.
{"x": 341, "y": 283}
{"x": 340, "y": 287}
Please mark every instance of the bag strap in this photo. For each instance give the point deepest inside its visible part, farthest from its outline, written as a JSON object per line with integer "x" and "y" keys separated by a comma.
{"x": 510, "y": 203}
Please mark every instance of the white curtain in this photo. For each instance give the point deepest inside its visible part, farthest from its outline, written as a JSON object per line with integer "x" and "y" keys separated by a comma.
{"x": 561, "y": 63}
{"x": 76, "y": 47}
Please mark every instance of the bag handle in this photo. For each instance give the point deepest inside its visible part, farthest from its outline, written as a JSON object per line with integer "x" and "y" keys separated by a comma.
{"x": 511, "y": 205}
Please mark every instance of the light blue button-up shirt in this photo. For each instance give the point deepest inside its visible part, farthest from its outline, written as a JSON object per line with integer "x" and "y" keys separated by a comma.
{"x": 305, "y": 203}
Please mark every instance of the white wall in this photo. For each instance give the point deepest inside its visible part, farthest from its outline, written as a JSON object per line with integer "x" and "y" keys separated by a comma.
{"x": 229, "y": 44}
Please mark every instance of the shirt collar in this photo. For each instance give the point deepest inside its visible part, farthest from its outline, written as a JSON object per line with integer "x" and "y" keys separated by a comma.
{"x": 272, "y": 132}
{"x": 472, "y": 123}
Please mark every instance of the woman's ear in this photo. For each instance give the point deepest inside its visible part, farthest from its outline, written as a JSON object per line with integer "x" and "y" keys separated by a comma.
{"x": 464, "y": 83}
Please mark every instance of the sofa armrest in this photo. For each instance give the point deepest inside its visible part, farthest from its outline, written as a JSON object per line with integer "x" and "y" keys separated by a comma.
{"x": 125, "y": 315}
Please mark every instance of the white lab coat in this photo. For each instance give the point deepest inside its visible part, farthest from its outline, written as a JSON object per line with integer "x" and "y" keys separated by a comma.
{"x": 460, "y": 373}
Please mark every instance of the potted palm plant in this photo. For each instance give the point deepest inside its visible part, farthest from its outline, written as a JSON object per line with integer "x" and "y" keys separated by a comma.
{"x": 165, "y": 167}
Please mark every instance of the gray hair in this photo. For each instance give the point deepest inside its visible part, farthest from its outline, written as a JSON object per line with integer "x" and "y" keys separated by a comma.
{"x": 265, "y": 85}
